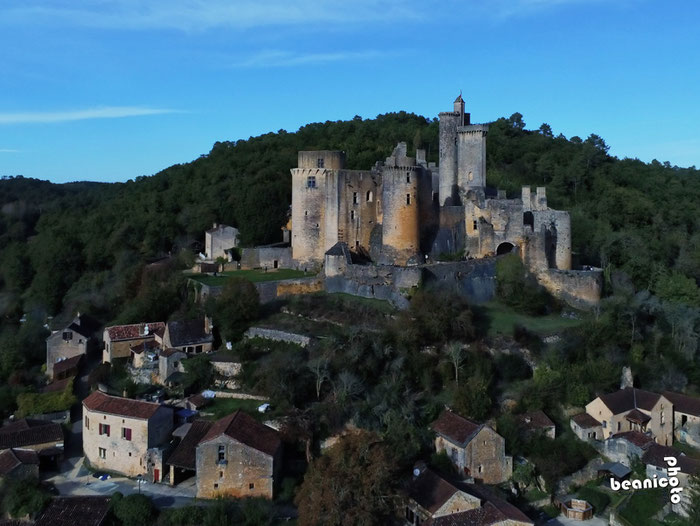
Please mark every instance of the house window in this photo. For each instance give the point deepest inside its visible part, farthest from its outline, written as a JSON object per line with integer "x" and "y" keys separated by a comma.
{"x": 481, "y": 468}
{"x": 251, "y": 486}
{"x": 663, "y": 418}
{"x": 618, "y": 426}
{"x": 175, "y": 364}
{"x": 311, "y": 182}
{"x": 354, "y": 198}
{"x": 104, "y": 429}
{"x": 408, "y": 199}
{"x": 67, "y": 335}
{"x": 87, "y": 423}
{"x": 476, "y": 225}
{"x": 103, "y": 452}
{"x": 320, "y": 162}
{"x": 369, "y": 196}
{"x": 409, "y": 515}
{"x": 126, "y": 433}
{"x": 222, "y": 453}
{"x": 198, "y": 349}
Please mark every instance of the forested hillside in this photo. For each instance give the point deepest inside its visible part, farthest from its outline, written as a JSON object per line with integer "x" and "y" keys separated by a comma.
{"x": 84, "y": 246}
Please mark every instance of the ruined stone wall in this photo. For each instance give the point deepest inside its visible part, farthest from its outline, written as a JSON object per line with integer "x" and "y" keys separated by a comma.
{"x": 474, "y": 279}
{"x": 579, "y": 288}
{"x": 451, "y": 235}
{"x": 278, "y": 336}
{"x": 266, "y": 257}
{"x": 218, "y": 240}
{"x": 242, "y": 468}
{"x": 384, "y": 282}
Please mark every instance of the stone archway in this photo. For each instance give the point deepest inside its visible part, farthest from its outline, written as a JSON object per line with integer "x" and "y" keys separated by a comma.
{"x": 505, "y": 248}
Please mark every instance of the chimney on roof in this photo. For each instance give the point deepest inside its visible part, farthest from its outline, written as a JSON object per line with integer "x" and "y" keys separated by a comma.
{"x": 216, "y": 225}
{"x": 145, "y": 330}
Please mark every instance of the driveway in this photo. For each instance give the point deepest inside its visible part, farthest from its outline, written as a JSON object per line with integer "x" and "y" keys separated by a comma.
{"x": 74, "y": 479}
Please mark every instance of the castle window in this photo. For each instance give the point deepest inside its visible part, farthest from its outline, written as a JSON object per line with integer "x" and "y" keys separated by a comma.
{"x": 408, "y": 177}
{"x": 222, "y": 453}
{"x": 251, "y": 485}
{"x": 357, "y": 244}
{"x": 476, "y": 225}
{"x": 319, "y": 162}
{"x": 369, "y": 196}
{"x": 408, "y": 199}
{"x": 311, "y": 182}
{"x": 306, "y": 212}
{"x": 352, "y": 214}
{"x": 354, "y": 198}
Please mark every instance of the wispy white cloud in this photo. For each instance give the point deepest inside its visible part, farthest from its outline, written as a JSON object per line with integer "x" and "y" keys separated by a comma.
{"x": 193, "y": 15}
{"x": 107, "y": 112}
{"x": 8, "y": 150}
{"x": 277, "y": 58}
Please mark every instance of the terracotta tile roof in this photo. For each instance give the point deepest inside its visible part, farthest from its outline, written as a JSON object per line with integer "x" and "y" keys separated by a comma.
{"x": 185, "y": 454}
{"x": 689, "y": 405}
{"x": 655, "y": 454}
{"x": 585, "y": 420}
{"x": 69, "y": 511}
{"x": 57, "y": 385}
{"x": 506, "y": 509}
{"x": 115, "y": 405}
{"x": 455, "y": 428}
{"x": 198, "y": 401}
{"x": 635, "y": 437}
{"x": 67, "y": 364}
{"x": 535, "y": 420}
{"x": 131, "y": 332}
{"x": 29, "y": 432}
{"x": 629, "y": 398}
{"x": 12, "y": 458}
{"x": 430, "y": 490}
{"x": 637, "y": 417}
{"x": 188, "y": 332}
{"x": 166, "y": 353}
{"x": 245, "y": 429}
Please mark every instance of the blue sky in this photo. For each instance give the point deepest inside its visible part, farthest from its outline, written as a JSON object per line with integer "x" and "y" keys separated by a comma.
{"x": 109, "y": 90}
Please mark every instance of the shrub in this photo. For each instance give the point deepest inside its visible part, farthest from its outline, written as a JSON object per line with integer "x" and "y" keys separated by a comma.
{"x": 40, "y": 403}
{"x": 21, "y": 497}
{"x": 133, "y": 510}
{"x": 517, "y": 288}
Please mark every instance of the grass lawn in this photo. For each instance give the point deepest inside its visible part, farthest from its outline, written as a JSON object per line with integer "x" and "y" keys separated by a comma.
{"x": 255, "y": 276}
{"x": 535, "y": 494}
{"x": 503, "y": 319}
{"x": 643, "y": 505}
{"x": 221, "y": 407}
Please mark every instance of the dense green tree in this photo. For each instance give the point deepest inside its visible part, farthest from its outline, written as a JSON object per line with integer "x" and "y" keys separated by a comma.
{"x": 234, "y": 309}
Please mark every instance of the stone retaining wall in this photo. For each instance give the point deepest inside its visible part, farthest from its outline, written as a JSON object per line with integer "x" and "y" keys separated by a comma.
{"x": 278, "y": 336}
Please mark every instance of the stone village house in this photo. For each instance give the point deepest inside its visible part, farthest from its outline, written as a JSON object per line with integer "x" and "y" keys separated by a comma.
{"x": 68, "y": 343}
{"x": 475, "y": 449}
{"x": 119, "y": 339}
{"x": 686, "y": 418}
{"x": 124, "y": 435}
{"x": 235, "y": 456}
{"x": 190, "y": 336}
{"x": 43, "y": 437}
{"x": 632, "y": 409}
{"x": 434, "y": 501}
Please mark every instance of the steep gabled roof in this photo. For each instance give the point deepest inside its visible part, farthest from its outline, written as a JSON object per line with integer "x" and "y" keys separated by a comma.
{"x": 136, "y": 330}
{"x": 29, "y": 432}
{"x": 67, "y": 364}
{"x": 656, "y": 453}
{"x": 689, "y": 405}
{"x": 69, "y": 511}
{"x": 245, "y": 429}
{"x": 637, "y": 417}
{"x": 12, "y": 458}
{"x": 630, "y": 398}
{"x": 185, "y": 454}
{"x": 455, "y": 428}
{"x": 188, "y": 332}
{"x": 585, "y": 421}
{"x": 430, "y": 490}
{"x": 115, "y": 405}
{"x": 535, "y": 420}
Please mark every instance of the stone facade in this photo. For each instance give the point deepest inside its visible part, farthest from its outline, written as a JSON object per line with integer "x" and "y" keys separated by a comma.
{"x": 278, "y": 336}
{"x": 118, "y": 432}
{"x": 404, "y": 209}
{"x": 66, "y": 343}
{"x": 219, "y": 239}
{"x": 169, "y": 363}
{"x": 476, "y": 450}
{"x": 119, "y": 339}
{"x": 266, "y": 257}
{"x": 634, "y": 410}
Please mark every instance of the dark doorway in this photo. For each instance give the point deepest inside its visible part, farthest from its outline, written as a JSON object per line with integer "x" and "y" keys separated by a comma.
{"x": 529, "y": 219}
{"x": 505, "y": 248}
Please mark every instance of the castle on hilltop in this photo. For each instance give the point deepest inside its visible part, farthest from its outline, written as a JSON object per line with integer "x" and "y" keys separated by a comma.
{"x": 404, "y": 209}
